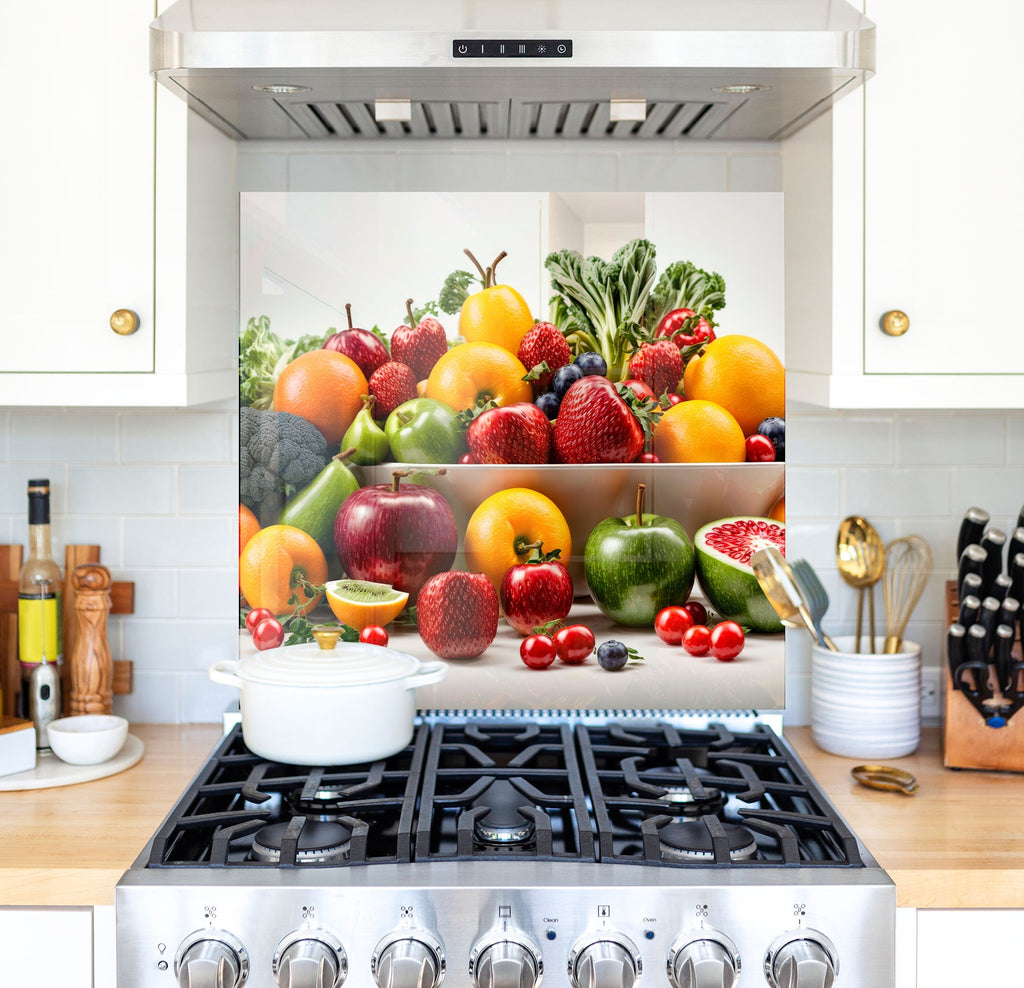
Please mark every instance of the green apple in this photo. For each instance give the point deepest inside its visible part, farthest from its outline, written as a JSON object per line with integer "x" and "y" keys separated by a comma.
{"x": 424, "y": 431}
{"x": 637, "y": 565}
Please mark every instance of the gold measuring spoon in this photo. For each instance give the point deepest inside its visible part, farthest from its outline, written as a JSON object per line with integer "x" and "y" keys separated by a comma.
{"x": 860, "y": 559}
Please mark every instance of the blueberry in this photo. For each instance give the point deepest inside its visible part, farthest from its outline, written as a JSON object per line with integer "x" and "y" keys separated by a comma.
{"x": 612, "y": 655}
{"x": 565, "y": 377}
{"x": 775, "y": 429}
{"x": 548, "y": 403}
{"x": 591, "y": 363}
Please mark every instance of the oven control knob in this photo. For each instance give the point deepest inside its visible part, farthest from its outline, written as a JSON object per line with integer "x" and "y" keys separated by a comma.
{"x": 408, "y": 959}
{"x": 801, "y": 959}
{"x": 708, "y": 959}
{"x": 211, "y": 959}
{"x": 605, "y": 960}
{"x": 505, "y": 960}
{"x": 310, "y": 959}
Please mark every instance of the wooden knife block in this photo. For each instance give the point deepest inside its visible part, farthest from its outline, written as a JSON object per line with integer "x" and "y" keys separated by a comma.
{"x": 967, "y": 741}
{"x": 122, "y": 596}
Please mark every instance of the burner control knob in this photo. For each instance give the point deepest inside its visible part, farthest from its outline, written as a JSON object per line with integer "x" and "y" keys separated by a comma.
{"x": 211, "y": 959}
{"x": 505, "y": 960}
{"x": 705, "y": 960}
{"x": 605, "y": 960}
{"x": 310, "y": 959}
{"x": 801, "y": 959}
{"x": 408, "y": 959}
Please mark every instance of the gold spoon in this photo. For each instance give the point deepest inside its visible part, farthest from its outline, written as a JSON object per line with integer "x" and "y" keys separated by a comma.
{"x": 860, "y": 559}
{"x": 784, "y": 594}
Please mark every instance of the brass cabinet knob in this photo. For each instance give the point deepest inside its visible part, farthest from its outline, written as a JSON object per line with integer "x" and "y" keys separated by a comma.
{"x": 895, "y": 323}
{"x": 124, "y": 322}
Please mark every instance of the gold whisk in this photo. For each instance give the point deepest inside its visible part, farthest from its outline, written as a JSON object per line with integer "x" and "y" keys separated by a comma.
{"x": 908, "y": 564}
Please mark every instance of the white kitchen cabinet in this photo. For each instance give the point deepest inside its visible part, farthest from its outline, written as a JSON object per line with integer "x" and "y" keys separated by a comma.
{"x": 968, "y": 947}
{"x": 99, "y": 216}
{"x": 47, "y": 946}
{"x": 906, "y": 197}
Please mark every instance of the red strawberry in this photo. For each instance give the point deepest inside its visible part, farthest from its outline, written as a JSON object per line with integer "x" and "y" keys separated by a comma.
{"x": 518, "y": 433}
{"x": 595, "y": 425}
{"x": 536, "y": 592}
{"x": 419, "y": 346}
{"x": 457, "y": 614}
{"x": 391, "y": 384}
{"x": 544, "y": 344}
{"x": 659, "y": 365}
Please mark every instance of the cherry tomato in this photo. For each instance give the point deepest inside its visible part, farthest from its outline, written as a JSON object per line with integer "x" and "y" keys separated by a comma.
{"x": 727, "y": 641}
{"x": 697, "y": 640}
{"x": 466, "y": 458}
{"x": 760, "y": 449}
{"x": 673, "y": 323}
{"x": 373, "y": 634}
{"x": 648, "y": 458}
{"x": 268, "y": 634}
{"x": 574, "y": 643}
{"x": 639, "y": 389}
{"x": 674, "y": 399}
{"x": 697, "y": 611}
{"x": 672, "y": 623}
{"x": 255, "y": 616}
{"x": 537, "y": 651}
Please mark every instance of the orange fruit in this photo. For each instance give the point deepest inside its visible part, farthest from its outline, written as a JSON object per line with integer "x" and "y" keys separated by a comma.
{"x": 778, "y": 512}
{"x": 472, "y": 372}
{"x": 324, "y": 387}
{"x": 502, "y": 527}
{"x": 248, "y": 526}
{"x": 743, "y": 376}
{"x": 697, "y": 431}
{"x": 273, "y": 562}
{"x": 498, "y": 315}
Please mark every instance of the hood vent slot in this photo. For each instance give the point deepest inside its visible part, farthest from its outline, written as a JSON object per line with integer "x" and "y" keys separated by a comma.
{"x": 355, "y": 120}
{"x": 570, "y": 120}
{"x": 582, "y": 119}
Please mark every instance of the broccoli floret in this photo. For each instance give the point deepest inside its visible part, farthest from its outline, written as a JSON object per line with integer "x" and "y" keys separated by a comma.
{"x": 279, "y": 453}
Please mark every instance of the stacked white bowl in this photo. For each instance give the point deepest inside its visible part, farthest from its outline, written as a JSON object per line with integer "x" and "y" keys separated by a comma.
{"x": 866, "y": 705}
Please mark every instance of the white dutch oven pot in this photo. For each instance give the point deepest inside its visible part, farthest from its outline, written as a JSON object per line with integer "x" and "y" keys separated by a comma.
{"x": 305, "y": 706}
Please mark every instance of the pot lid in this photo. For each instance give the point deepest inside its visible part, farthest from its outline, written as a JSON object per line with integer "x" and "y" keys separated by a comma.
{"x": 348, "y": 664}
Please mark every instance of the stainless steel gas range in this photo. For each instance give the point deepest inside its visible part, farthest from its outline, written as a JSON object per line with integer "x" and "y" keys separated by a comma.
{"x": 597, "y": 853}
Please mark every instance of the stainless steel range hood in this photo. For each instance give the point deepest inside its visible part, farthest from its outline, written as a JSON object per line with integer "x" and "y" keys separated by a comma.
{"x": 522, "y": 69}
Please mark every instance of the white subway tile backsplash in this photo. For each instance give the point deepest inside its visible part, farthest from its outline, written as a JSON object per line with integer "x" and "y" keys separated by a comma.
{"x": 180, "y": 541}
{"x": 14, "y": 478}
{"x": 1015, "y": 439}
{"x": 839, "y": 439}
{"x": 155, "y": 698}
{"x": 207, "y": 593}
{"x": 897, "y": 493}
{"x": 999, "y": 490}
{"x": 78, "y": 436}
{"x": 156, "y": 591}
{"x": 179, "y": 645}
{"x": 101, "y": 530}
{"x": 209, "y": 490}
{"x": 203, "y": 701}
{"x": 926, "y": 440}
{"x": 812, "y": 492}
{"x": 674, "y": 172}
{"x": 440, "y": 172}
{"x": 112, "y": 489}
{"x": 174, "y": 437}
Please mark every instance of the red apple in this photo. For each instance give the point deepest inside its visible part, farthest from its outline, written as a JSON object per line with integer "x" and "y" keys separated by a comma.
{"x": 399, "y": 534}
{"x": 537, "y": 591}
{"x": 359, "y": 345}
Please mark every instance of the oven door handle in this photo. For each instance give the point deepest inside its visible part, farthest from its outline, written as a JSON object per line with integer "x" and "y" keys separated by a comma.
{"x": 225, "y": 673}
{"x": 430, "y": 673}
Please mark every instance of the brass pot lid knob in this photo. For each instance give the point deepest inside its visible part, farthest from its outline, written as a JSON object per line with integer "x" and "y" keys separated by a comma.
{"x": 895, "y": 323}
{"x": 124, "y": 322}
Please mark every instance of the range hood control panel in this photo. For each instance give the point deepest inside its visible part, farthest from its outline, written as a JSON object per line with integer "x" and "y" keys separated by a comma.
{"x": 515, "y": 48}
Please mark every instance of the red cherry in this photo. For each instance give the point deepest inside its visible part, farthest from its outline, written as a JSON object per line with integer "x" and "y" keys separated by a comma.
{"x": 760, "y": 449}
{"x": 672, "y": 623}
{"x": 254, "y": 618}
{"x": 697, "y": 610}
{"x": 727, "y": 641}
{"x": 268, "y": 634}
{"x": 373, "y": 634}
{"x": 639, "y": 389}
{"x": 674, "y": 399}
{"x": 574, "y": 644}
{"x": 697, "y": 640}
{"x": 537, "y": 651}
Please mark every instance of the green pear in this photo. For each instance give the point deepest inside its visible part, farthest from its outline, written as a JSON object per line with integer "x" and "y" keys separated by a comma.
{"x": 371, "y": 445}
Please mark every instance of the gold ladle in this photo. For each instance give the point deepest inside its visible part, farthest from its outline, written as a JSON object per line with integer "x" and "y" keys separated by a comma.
{"x": 860, "y": 559}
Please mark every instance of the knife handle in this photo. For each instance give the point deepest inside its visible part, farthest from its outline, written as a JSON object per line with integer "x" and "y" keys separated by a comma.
{"x": 1020, "y": 518}
{"x": 993, "y": 542}
{"x": 988, "y": 619}
{"x": 1016, "y": 571}
{"x": 1009, "y": 613}
{"x": 973, "y": 524}
{"x": 970, "y": 608}
{"x": 956, "y": 652}
{"x": 1003, "y": 645}
{"x": 1000, "y": 587}
{"x": 977, "y": 644}
{"x": 1016, "y": 545}
{"x": 972, "y": 560}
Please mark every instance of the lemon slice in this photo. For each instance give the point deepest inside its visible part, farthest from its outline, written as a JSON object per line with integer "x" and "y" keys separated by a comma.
{"x": 359, "y": 603}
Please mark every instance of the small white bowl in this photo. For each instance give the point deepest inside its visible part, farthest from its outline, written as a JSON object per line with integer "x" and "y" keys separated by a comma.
{"x": 88, "y": 739}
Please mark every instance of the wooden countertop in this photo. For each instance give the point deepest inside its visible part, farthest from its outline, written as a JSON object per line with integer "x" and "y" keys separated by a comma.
{"x": 958, "y": 843}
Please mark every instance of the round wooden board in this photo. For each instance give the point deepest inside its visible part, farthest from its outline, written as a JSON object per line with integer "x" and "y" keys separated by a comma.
{"x": 50, "y": 771}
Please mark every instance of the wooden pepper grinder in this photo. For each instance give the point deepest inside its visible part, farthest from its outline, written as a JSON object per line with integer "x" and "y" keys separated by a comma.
{"x": 92, "y": 670}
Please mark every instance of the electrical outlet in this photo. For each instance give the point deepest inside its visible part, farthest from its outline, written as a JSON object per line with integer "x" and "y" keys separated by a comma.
{"x": 931, "y": 694}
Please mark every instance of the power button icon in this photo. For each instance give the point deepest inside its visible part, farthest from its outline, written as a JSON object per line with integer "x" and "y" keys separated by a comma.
{"x": 463, "y": 49}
